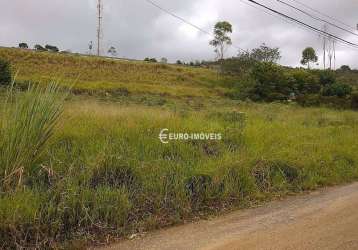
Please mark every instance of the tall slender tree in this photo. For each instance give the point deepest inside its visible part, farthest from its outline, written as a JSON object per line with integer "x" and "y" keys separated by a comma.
{"x": 221, "y": 38}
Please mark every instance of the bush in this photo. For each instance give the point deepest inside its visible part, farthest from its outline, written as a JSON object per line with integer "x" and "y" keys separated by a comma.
{"x": 5, "y": 72}
{"x": 337, "y": 89}
{"x": 327, "y": 77}
{"x": 305, "y": 82}
{"x": 271, "y": 83}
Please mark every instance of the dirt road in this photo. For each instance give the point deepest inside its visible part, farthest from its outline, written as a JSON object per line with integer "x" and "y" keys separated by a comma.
{"x": 326, "y": 219}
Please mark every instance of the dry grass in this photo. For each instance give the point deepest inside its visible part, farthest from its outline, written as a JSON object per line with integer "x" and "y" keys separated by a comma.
{"x": 97, "y": 74}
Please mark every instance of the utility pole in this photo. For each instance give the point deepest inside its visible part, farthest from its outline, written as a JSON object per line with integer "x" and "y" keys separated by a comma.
{"x": 99, "y": 26}
{"x": 324, "y": 46}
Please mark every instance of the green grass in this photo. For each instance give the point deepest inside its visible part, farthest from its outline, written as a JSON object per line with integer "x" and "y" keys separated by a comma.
{"x": 102, "y": 172}
{"x": 92, "y": 74}
{"x": 105, "y": 172}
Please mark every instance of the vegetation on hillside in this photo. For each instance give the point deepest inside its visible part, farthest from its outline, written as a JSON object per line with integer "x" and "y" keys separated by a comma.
{"x": 97, "y": 75}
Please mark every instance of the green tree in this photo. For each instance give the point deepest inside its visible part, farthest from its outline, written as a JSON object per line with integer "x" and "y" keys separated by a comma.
{"x": 112, "y": 51}
{"x": 147, "y": 59}
{"x": 38, "y": 47}
{"x": 51, "y": 48}
{"x": 266, "y": 54}
{"x": 23, "y": 46}
{"x": 221, "y": 38}
{"x": 308, "y": 56}
{"x": 345, "y": 68}
{"x": 5, "y": 72}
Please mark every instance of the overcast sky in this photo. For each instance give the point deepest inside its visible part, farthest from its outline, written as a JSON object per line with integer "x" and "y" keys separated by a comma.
{"x": 138, "y": 30}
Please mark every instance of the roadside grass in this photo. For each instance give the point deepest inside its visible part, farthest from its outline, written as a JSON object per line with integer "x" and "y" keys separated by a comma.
{"x": 105, "y": 174}
{"x": 90, "y": 169}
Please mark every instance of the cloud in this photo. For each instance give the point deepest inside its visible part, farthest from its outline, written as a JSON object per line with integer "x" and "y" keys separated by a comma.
{"x": 138, "y": 30}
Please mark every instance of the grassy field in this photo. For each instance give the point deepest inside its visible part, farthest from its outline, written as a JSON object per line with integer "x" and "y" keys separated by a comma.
{"x": 94, "y": 169}
{"x": 113, "y": 77}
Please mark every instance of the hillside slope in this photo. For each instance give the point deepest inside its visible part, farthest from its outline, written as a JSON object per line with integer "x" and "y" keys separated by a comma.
{"x": 100, "y": 74}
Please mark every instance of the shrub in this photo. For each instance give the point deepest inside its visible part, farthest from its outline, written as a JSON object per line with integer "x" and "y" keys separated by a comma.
{"x": 271, "y": 83}
{"x": 305, "y": 82}
{"x": 327, "y": 77}
{"x": 5, "y": 72}
{"x": 337, "y": 89}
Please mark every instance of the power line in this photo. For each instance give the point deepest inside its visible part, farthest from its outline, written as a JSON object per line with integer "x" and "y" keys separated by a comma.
{"x": 186, "y": 21}
{"x": 287, "y": 21}
{"x": 306, "y": 25}
{"x": 323, "y": 14}
{"x": 276, "y": 16}
{"x": 316, "y": 18}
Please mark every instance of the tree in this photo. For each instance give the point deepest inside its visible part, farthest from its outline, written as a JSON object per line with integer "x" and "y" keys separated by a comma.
{"x": 147, "y": 59}
{"x": 179, "y": 62}
{"x": 112, "y": 51}
{"x": 221, "y": 38}
{"x": 308, "y": 55}
{"x": 38, "y": 47}
{"x": 5, "y": 72}
{"x": 345, "y": 68}
{"x": 271, "y": 83}
{"x": 23, "y": 46}
{"x": 164, "y": 60}
{"x": 51, "y": 48}
{"x": 266, "y": 54}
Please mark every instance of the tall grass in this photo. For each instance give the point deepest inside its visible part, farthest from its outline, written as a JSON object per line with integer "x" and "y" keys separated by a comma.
{"x": 95, "y": 75}
{"x": 27, "y": 123}
{"x": 111, "y": 176}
